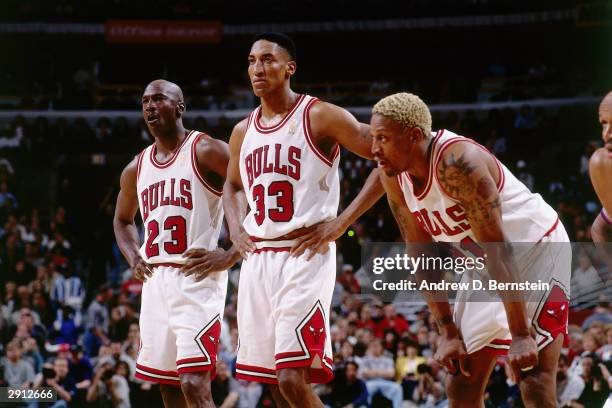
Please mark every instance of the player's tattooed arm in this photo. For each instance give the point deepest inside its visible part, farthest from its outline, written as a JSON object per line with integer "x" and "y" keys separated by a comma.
{"x": 466, "y": 173}
{"x": 466, "y": 177}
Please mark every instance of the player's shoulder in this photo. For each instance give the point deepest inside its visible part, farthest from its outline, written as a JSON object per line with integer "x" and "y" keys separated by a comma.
{"x": 129, "y": 175}
{"x": 240, "y": 128}
{"x": 321, "y": 109}
{"x": 207, "y": 146}
{"x": 459, "y": 149}
{"x": 601, "y": 158}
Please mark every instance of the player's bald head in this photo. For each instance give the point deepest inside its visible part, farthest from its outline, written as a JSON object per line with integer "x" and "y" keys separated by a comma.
{"x": 167, "y": 88}
{"x": 606, "y": 101}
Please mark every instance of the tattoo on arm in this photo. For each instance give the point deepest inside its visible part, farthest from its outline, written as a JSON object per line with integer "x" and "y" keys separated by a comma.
{"x": 400, "y": 217}
{"x": 476, "y": 192}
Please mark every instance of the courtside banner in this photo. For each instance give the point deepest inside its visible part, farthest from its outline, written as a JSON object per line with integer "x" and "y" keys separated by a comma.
{"x": 163, "y": 32}
{"x": 398, "y": 272}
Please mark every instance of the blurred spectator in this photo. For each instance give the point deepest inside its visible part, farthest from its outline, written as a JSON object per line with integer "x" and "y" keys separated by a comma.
{"x": 224, "y": 388}
{"x": 430, "y": 392}
{"x": 378, "y": 371}
{"x": 97, "y": 322}
{"x": 569, "y": 386}
{"x": 108, "y": 389}
{"x": 56, "y": 376}
{"x": 18, "y": 372}
{"x": 596, "y": 389}
{"x": 346, "y": 389}
{"x": 406, "y": 365}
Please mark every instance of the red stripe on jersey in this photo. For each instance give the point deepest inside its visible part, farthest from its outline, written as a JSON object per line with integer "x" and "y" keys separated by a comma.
{"x": 422, "y": 194}
{"x": 139, "y": 164}
{"x": 174, "y": 155}
{"x": 263, "y": 129}
{"x": 308, "y": 133}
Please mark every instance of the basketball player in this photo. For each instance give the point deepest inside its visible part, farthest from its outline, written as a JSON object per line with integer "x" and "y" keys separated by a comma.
{"x": 447, "y": 188}
{"x": 600, "y": 170}
{"x": 283, "y": 171}
{"x": 177, "y": 183}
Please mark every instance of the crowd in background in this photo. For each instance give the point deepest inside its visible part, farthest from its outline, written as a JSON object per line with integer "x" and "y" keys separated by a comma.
{"x": 69, "y": 305}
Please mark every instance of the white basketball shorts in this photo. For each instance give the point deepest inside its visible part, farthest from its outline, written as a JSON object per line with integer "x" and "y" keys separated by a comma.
{"x": 180, "y": 323}
{"x": 283, "y": 313}
{"x": 484, "y": 325}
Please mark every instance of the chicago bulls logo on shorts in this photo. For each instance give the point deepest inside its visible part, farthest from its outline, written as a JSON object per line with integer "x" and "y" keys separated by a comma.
{"x": 553, "y": 314}
{"x": 208, "y": 339}
{"x": 312, "y": 331}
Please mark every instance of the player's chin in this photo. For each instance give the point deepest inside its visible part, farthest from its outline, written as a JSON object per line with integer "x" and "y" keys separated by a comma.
{"x": 390, "y": 171}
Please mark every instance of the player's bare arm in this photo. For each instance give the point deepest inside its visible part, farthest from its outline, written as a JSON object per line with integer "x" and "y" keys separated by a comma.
{"x": 213, "y": 157}
{"x": 125, "y": 229}
{"x": 331, "y": 126}
{"x": 468, "y": 175}
{"x": 451, "y": 348}
{"x": 234, "y": 197}
{"x": 600, "y": 170}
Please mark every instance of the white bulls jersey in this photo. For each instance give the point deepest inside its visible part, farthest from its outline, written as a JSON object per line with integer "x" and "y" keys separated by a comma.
{"x": 288, "y": 182}
{"x": 526, "y": 216}
{"x": 179, "y": 209}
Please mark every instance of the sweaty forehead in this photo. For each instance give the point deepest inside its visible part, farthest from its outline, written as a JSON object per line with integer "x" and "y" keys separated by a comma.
{"x": 262, "y": 47}
{"x": 163, "y": 88}
{"x": 605, "y": 108}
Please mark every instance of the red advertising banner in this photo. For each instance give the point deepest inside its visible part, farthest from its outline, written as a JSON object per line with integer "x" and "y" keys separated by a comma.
{"x": 163, "y": 32}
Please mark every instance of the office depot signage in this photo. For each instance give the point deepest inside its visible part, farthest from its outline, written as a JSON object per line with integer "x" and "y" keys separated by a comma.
{"x": 163, "y": 32}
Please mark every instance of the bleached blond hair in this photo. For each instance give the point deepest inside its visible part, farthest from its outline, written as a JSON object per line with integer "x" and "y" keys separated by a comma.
{"x": 406, "y": 109}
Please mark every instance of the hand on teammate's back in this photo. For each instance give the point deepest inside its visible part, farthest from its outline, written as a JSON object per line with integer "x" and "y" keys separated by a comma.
{"x": 142, "y": 270}
{"x": 317, "y": 240}
{"x": 523, "y": 355}
{"x": 200, "y": 262}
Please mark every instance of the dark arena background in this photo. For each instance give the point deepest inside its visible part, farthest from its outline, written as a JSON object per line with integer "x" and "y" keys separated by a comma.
{"x": 523, "y": 78}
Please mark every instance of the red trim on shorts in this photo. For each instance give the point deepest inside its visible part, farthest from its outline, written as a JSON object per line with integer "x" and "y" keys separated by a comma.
{"x": 174, "y": 155}
{"x": 170, "y": 264}
{"x": 196, "y": 369}
{"x": 193, "y": 360}
{"x": 308, "y": 134}
{"x": 495, "y": 351}
{"x": 272, "y": 249}
{"x": 253, "y": 378}
{"x": 156, "y": 371}
{"x": 255, "y": 370}
{"x": 196, "y": 170}
{"x": 143, "y": 377}
{"x": 550, "y": 231}
{"x": 150, "y": 378}
{"x": 317, "y": 375}
{"x": 262, "y": 129}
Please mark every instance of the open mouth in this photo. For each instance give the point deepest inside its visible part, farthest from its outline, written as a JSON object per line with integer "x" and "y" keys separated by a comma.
{"x": 152, "y": 119}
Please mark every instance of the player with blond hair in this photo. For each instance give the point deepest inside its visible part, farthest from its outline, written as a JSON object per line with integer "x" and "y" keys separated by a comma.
{"x": 443, "y": 187}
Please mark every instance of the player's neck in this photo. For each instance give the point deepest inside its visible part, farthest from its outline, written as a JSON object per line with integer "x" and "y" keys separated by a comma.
{"x": 168, "y": 142}
{"x": 419, "y": 164}
{"x": 278, "y": 102}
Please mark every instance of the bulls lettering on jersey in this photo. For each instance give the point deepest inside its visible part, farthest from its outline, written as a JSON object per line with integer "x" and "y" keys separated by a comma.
{"x": 289, "y": 182}
{"x": 179, "y": 209}
{"x": 525, "y": 215}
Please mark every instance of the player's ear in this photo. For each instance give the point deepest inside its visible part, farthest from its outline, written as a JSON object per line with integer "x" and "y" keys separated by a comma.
{"x": 180, "y": 109}
{"x": 291, "y": 68}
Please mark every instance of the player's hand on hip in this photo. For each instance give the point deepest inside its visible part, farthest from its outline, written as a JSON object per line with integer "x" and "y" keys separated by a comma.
{"x": 142, "y": 270}
{"x": 200, "y": 262}
{"x": 452, "y": 355}
{"x": 523, "y": 355}
{"x": 317, "y": 240}
{"x": 243, "y": 244}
